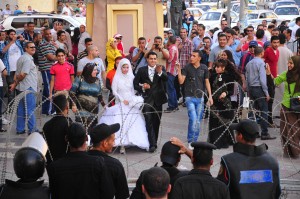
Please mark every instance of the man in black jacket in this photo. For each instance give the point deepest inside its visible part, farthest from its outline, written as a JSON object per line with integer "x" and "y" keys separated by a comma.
{"x": 150, "y": 83}
{"x": 170, "y": 157}
{"x": 250, "y": 171}
{"x": 103, "y": 139}
{"x": 199, "y": 183}
{"x": 79, "y": 175}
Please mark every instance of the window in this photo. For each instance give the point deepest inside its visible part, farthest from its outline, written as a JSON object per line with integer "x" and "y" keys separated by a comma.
{"x": 287, "y": 11}
{"x": 19, "y": 22}
{"x": 211, "y": 16}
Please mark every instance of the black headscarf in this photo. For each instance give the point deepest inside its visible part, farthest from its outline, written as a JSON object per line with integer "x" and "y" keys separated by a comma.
{"x": 294, "y": 74}
{"x": 87, "y": 73}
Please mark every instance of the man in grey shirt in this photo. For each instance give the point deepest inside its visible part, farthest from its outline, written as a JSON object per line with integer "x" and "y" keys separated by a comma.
{"x": 214, "y": 54}
{"x": 256, "y": 78}
{"x": 25, "y": 81}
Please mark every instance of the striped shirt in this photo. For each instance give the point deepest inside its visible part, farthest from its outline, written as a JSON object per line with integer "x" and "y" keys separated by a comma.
{"x": 185, "y": 52}
{"x": 44, "y": 49}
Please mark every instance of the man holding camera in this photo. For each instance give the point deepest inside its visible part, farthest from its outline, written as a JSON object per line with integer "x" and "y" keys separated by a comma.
{"x": 158, "y": 48}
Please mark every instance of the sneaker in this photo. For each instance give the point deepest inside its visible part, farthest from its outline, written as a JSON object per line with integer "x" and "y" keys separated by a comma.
{"x": 267, "y": 137}
{"x": 122, "y": 150}
{"x": 180, "y": 101}
{"x": 22, "y": 132}
{"x": 5, "y": 121}
{"x": 190, "y": 146}
{"x": 169, "y": 110}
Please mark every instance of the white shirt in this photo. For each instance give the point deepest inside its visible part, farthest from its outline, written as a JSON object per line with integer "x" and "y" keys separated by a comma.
{"x": 68, "y": 10}
{"x": 151, "y": 72}
{"x": 2, "y": 67}
{"x": 6, "y": 12}
{"x": 14, "y": 54}
{"x": 81, "y": 43}
{"x": 294, "y": 29}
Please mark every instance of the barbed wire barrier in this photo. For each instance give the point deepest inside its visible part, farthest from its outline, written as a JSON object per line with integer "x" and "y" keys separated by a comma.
{"x": 11, "y": 114}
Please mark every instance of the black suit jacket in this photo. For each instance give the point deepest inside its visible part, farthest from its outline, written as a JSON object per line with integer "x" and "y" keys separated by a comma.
{"x": 156, "y": 94}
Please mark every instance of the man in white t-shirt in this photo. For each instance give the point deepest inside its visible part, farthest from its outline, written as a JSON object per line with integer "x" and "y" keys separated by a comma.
{"x": 12, "y": 52}
{"x": 93, "y": 57}
{"x": 4, "y": 73}
{"x": 67, "y": 10}
{"x": 7, "y": 10}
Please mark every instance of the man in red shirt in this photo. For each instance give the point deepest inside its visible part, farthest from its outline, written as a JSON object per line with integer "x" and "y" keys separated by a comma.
{"x": 62, "y": 74}
{"x": 271, "y": 58}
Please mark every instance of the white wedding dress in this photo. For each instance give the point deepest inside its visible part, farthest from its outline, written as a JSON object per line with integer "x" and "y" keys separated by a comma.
{"x": 133, "y": 129}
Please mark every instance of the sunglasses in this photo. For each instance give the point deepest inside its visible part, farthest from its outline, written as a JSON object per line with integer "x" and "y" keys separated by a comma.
{"x": 32, "y": 47}
{"x": 170, "y": 33}
{"x": 252, "y": 46}
{"x": 249, "y": 30}
{"x": 118, "y": 38}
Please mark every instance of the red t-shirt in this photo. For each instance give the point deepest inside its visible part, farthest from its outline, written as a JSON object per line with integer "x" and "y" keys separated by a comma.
{"x": 110, "y": 75}
{"x": 271, "y": 57}
{"x": 62, "y": 74}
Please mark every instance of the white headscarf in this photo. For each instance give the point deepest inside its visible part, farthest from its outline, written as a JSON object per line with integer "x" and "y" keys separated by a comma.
{"x": 119, "y": 76}
{"x": 119, "y": 73}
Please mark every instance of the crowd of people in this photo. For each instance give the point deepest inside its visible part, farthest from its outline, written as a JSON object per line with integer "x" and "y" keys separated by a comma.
{"x": 188, "y": 68}
{"x": 62, "y": 8}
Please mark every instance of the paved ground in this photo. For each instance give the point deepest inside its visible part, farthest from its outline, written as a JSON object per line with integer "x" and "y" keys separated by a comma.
{"x": 173, "y": 124}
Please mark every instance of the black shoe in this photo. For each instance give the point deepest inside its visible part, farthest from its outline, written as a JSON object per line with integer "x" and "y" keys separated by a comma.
{"x": 2, "y": 130}
{"x": 169, "y": 110}
{"x": 183, "y": 104}
{"x": 267, "y": 137}
{"x": 20, "y": 133}
{"x": 152, "y": 149}
{"x": 257, "y": 136}
{"x": 176, "y": 109}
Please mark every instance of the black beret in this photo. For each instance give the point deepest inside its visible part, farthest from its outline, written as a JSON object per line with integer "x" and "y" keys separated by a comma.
{"x": 248, "y": 128}
{"x": 203, "y": 145}
{"x": 103, "y": 131}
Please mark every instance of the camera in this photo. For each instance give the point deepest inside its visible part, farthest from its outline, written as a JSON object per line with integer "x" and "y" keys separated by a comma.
{"x": 156, "y": 45}
{"x": 18, "y": 37}
{"x": 204, "y": 44}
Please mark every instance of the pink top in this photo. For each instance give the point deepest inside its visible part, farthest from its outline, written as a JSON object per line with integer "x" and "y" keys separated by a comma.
{"x": 173, "y": 58}
{"x": 62, "y": 74}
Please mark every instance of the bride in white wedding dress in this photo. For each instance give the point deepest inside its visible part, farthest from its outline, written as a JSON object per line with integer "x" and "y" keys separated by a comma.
{"x": 126, "y": 111}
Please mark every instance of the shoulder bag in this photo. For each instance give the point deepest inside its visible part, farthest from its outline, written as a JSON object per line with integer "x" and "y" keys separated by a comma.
{"x": 294, "y": 102}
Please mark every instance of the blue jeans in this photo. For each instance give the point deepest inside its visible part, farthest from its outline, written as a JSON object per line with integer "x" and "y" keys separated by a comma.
{"x": 30, "y": 101}
{"x": 46, "y": 106}
{"x": 172, "y": 96}
{"x": 195, "y": 107}
{"x": 260, "y": 104}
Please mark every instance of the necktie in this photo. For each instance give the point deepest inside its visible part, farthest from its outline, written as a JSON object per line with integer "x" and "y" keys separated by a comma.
{"x": 151, "y": 74}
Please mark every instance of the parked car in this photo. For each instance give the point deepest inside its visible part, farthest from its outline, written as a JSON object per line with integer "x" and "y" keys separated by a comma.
{"x": 281, "y": 3}
{"x": 287, "y": 12}
{"x": 204, "y": 7}
{"x": 196, "y": 12}
{"x": 250, "y": 7}
{"x": 40, "y": 20}
{"x": 212, "y": 18}
{"x": 255, "y": 17}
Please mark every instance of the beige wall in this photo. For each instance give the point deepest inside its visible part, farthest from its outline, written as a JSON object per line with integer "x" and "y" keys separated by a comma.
{"x": 39, "y": 5}
{"x": 100, "y": 32}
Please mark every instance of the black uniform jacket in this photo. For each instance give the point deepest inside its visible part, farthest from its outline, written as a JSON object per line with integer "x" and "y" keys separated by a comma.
{"x": 199, "y": 184}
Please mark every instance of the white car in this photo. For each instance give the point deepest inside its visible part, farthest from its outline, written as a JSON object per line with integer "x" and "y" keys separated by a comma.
{"x": 287, "y": 13}
{"x": 255, "y": 17}
{"x": 281, "y": 3}
{"x": 17, "y": 22}
{"x": 212, "y": 18}
{"x": 250, "y": 7}
{"x": 204, "y": 7}
{"x": 196, "y": 12}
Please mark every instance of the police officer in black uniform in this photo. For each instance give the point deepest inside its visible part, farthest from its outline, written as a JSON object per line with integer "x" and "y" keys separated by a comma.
{"x": 29, "y": 165}
{"x": 170, "y": 157}
{"x": 199, "y": 183}
{"x": 103, "y": 139}
{"x": 250, "y": 171}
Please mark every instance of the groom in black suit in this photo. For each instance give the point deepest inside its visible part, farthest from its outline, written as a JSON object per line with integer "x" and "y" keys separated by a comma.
{"x": 150, "y": 83}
